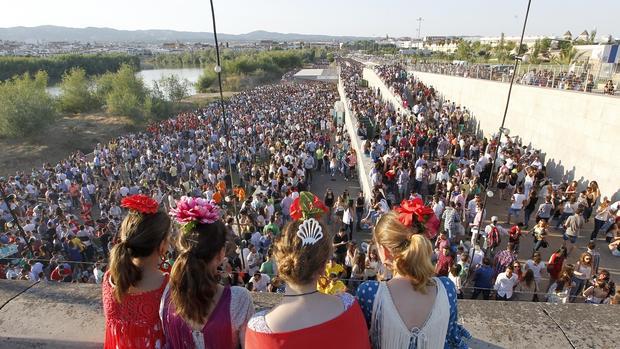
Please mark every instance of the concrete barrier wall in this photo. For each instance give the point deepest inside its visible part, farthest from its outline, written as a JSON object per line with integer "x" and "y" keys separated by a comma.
{"x": 579, "y": 133}
{"x": 68, "y": 316}
{"x": 374, "y": 81}
{"x": 364, "y": 162}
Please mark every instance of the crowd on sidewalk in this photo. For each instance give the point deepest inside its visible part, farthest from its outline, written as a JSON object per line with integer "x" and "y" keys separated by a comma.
{"x": 423, "y": 149}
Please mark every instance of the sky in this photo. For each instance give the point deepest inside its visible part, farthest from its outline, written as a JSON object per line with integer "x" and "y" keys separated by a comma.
{"x": 332, "y": 17}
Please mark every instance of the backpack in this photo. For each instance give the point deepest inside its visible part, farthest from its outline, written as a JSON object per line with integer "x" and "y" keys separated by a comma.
{"x": 494, "y": 238}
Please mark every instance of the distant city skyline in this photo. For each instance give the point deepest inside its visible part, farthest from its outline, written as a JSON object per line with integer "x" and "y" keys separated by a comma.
{"x": 395, "y": 18}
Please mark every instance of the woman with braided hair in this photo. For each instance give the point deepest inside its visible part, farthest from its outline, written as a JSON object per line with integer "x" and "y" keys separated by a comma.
{"x": 306, "y": 318}
{"x": 133, "y": 286}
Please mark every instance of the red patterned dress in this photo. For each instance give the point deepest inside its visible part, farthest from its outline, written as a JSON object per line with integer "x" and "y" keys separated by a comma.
{"x": 134, "y": 323}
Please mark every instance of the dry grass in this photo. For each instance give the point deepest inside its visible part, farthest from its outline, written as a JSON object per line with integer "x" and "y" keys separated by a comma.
{"x": 70, "y": 133}
{"x": 76, "y": 132}
{"x": 202, "y": 99}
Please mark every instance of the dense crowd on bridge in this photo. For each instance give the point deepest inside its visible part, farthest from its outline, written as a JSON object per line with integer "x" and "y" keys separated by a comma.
{"x": 70, "y": 211}
{"x": 424, "y": 150}
{"x": 104, "y": 218}
{"x": 237, "y": 187}
{"x": 544, "y": 77}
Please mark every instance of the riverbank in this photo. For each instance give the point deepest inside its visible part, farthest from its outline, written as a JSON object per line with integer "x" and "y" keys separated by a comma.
{"x": 70, "y": 133}
{"x": 78, "y": 132}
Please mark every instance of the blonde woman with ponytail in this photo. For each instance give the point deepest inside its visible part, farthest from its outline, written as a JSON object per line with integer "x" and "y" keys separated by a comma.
{"x": 413, "y": 309}
{"x": 133, "y": 285}
{"x": 196, "y": 310}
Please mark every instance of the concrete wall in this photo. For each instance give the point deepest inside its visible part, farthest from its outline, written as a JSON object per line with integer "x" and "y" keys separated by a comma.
{"x": 579, "y": 133}
{"x": 364, "y": 162}
{"x": 57, "y": 315}
{"x": 374, "y": 81}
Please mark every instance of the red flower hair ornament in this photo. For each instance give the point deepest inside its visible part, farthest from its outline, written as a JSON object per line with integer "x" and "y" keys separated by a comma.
{"x": 307, "y": 207}
{"x": 413, "y": 213}
{"x": 140, "y": 203}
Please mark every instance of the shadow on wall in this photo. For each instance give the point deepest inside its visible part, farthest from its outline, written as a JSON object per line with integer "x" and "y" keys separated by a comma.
{"x": 557, "y": 170}
{"x": 29, "y": 343}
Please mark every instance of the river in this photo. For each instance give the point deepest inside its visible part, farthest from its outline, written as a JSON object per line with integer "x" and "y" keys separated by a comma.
{"x": 151, "y": 75}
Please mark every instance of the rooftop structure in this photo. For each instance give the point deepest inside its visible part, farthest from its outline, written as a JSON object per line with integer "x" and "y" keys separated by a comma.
{"x": 328, "y": 75}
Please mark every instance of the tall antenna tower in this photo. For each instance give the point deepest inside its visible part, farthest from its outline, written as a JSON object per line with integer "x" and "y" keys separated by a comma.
{"x": 420, "y": 19}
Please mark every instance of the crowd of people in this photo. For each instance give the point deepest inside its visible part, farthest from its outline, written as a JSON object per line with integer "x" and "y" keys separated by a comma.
{"x": 424, "y": 150}
{"x": 563, "y": 80}
{"x": 59, "y": 222}
{"x": 237, "y": 188}
{"x": 197, "y": 304}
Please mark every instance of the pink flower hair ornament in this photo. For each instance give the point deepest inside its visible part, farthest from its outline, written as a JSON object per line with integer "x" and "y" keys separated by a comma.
{"x": 193, "y": 211}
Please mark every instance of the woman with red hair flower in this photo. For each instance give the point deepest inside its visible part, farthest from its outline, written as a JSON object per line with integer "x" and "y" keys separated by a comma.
{"x": 133, "y": 286}
{"x": 413, "y": 214}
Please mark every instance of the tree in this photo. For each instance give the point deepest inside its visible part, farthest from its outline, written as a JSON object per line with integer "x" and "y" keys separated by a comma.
{"x": 25, "y": 105}
{"x": 206, "y": 80}
{"x": 592, "y": 37}
{"x": 464, "y": 51}
{"x": 56, "y": 66}
{"x": 174, "y": 89}
{"x": 502, "y": 50}
{"x": 568, "y": 53}
{"x": 127, "y": 93}
{"x": 568, "y": 56}
{"x": 104, "y": 84}
{"x": 76, "y": 92}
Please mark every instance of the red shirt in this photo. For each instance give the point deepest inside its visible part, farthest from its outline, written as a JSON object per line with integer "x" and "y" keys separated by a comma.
{"x": 443, "y": 265}
{"x": 555, "y": 266}
{"x": 134, "y": 323}
{"x": 347, "y": 331}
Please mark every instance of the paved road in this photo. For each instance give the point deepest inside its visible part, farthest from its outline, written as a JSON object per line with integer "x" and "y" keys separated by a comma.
{"x": 495, "y": 207}
{"x": 319, "y": 186}
{"x": 322, "y": 181}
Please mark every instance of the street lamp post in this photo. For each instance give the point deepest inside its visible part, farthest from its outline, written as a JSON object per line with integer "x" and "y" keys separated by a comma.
{"x": 502, "y": 128}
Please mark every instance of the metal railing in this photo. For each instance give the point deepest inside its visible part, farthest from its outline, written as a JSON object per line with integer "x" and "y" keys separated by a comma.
{"x": 572, "y": 78}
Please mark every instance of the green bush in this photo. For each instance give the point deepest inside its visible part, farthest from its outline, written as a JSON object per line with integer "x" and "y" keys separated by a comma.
{"x": 76, "y": 92}
{"x": 25, "y": 105}
{"x": 125, "y": 94}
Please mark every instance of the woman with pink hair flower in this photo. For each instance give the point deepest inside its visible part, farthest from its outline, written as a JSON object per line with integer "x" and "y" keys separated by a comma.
{"x": 196, "y": 311}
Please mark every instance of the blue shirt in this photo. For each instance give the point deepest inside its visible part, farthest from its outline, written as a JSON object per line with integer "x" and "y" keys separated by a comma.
{"x": 483, "y": 277}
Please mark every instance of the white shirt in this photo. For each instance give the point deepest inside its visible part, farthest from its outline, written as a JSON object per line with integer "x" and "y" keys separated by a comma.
{"x": 419, "y": 174}
{"x": 442, "y": 176}
{"x": 438, "y": 208}
{"x": 37, "y": 269}
{"x": 504, "y": 284}
{"x": 535, "y": 268}
{"x": 518, "y": 201}
{"x": 253, "y": 262}
{"x": 98, "y": 275}
{"x": 260, "y": 285}
{"x": 347, "y": 218}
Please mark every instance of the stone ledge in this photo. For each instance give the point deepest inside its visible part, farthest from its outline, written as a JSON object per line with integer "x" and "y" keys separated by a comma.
{"x": 58, "y": 315}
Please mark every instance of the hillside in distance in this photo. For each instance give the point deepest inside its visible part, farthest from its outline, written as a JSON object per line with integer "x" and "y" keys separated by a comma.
{"x": 93, "y": 34}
